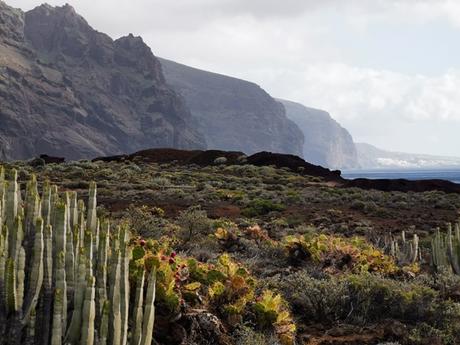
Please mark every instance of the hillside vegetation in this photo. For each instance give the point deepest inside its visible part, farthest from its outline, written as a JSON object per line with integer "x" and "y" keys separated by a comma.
{"x": 238, "y": 254}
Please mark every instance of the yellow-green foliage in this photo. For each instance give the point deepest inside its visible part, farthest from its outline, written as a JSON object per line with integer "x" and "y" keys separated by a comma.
{"x": 234, "y": 288}
{"x": 354, "y": 254}
{"x": 271, "y": 311}
{"x": 226, "y": 288}
{"x": 180, "y": 278}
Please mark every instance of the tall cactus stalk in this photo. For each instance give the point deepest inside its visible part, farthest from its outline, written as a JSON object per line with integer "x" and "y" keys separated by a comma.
{"x": 3, "y": 262}
{"x": 101, "y": 281}
{"x": 124, "y": 287}
{"x": 46, "y": 203}
{"x": 89, "y": 314}
{"x": 46, "y": 296}
{"x": 104, "y": 324}
{"x": 60, "y": 227}
{"x": 61, "y": 285}
{"x": 92, "y": 221}
{"x": 149, "y": 313}
{"x": 138, "y": 311}
{"x": 11, "y": 200}
{"x": 406, "y": 252}
{"x": 79, "y": 294}
{"x": 2, "y": 194}
{"x": 11, "y": 294}
{"x": 37, "y": 271}
{"x": 21, "y": 276}
{"x": 56, "y": 338}
{"x": 115, "y": 305}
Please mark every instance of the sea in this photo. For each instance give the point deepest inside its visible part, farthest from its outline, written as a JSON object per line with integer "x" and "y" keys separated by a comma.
{"x": 408, "y": 174}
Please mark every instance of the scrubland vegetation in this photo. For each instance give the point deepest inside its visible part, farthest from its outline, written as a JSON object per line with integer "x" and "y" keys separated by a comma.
{"x": 237, "y": 254}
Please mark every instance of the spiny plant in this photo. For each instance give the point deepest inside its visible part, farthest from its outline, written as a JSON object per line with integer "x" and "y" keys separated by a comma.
{"x": 445, "y": 249}
{"x": 55, "y": 285}
{"x": 407, "y": 251}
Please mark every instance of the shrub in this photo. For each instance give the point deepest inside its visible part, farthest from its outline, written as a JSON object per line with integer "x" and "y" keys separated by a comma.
{"x": 323, "y": 300}
{"x": 161, "y": 182}
{"x": 245, "y": 335}
{"x": 193, "y": 222}
{"x": 340, "y": 254}
{"x": 220, "y": 160}
{"x": 374, "y": 297}
{"x": 147, "y": 222}
{"x": 260, "y": 207}
{"x": 37, "y": 162}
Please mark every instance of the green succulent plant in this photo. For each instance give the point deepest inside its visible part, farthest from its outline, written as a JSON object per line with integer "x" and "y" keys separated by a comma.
{"x": 55, "y": 286}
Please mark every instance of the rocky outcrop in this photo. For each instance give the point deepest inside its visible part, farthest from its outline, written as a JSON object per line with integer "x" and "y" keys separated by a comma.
{"x": 68, "y": 90}
{"x": 209, "y": 157}
{"x": 326, "y": 142}
{"x": 234, "y": 114}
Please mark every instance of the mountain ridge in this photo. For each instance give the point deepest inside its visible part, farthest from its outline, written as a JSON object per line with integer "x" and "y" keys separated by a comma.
{"x": 102, "y": 96}
{"x": 234, "y": 114}
{"x": 327, "y": 143}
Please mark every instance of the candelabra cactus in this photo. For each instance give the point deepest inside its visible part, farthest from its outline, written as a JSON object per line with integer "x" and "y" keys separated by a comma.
{"x": 445, "y": 249}
{"x": 55, "y": 287}
{"x": 406, "y": 252}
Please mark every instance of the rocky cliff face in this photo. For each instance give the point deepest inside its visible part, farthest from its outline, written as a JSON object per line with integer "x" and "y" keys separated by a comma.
{"x": 234, "y": 114}
{"x": 326, "y": 142}
{"x": 68, "y": 90}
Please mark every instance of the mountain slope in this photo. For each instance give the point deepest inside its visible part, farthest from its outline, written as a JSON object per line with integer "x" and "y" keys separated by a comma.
{"x": 326, "y": 142}
{"x": 371, "y": 157}
{"x": 234, "y": 114}
{"x": 66, "y": 89}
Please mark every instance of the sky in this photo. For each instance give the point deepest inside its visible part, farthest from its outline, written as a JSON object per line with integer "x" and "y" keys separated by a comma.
{"x": 387, "y": 70}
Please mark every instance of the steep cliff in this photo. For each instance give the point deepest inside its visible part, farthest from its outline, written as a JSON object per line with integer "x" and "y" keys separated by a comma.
{"x": 234, "y": 114}
{"x": 326, "y": 142}
{"x": 68, "y": 90}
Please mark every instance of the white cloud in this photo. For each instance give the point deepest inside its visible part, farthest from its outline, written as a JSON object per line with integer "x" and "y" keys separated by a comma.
{"x": 393, "y": 110}
{"x": 343, "y": 89}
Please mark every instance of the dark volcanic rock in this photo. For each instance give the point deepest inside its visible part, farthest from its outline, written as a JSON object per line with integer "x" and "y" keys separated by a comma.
{"x": 234, "y": 114}
{"x": 68, "y": 90}
{"x": 294, "y": 163}
{"x": 179, "y": 156}
{"x": 204, "y": 158}
{"x": 326, "y": 142}
{"x": 402, "y": 185}
{"x": 49, "y": 159}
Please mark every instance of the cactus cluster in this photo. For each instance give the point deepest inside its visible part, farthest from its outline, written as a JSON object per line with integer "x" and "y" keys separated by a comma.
{"x": 406, "y": 252}
{"x": 55, "y": 283}
{"x": 445, "y": 249}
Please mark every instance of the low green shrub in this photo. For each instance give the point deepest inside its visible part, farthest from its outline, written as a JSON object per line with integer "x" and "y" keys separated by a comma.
{"x": 194, "y": 221}
{"x": 260, "y": 207}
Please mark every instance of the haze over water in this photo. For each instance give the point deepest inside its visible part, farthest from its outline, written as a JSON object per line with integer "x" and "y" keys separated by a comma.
{"x": 408, "y": 174}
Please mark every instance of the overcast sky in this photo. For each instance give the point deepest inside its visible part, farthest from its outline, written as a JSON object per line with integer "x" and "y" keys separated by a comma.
{"x": 387, "y": 70}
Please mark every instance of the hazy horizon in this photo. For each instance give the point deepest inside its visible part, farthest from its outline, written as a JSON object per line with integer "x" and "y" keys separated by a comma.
{"x": 389, "y": 71}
